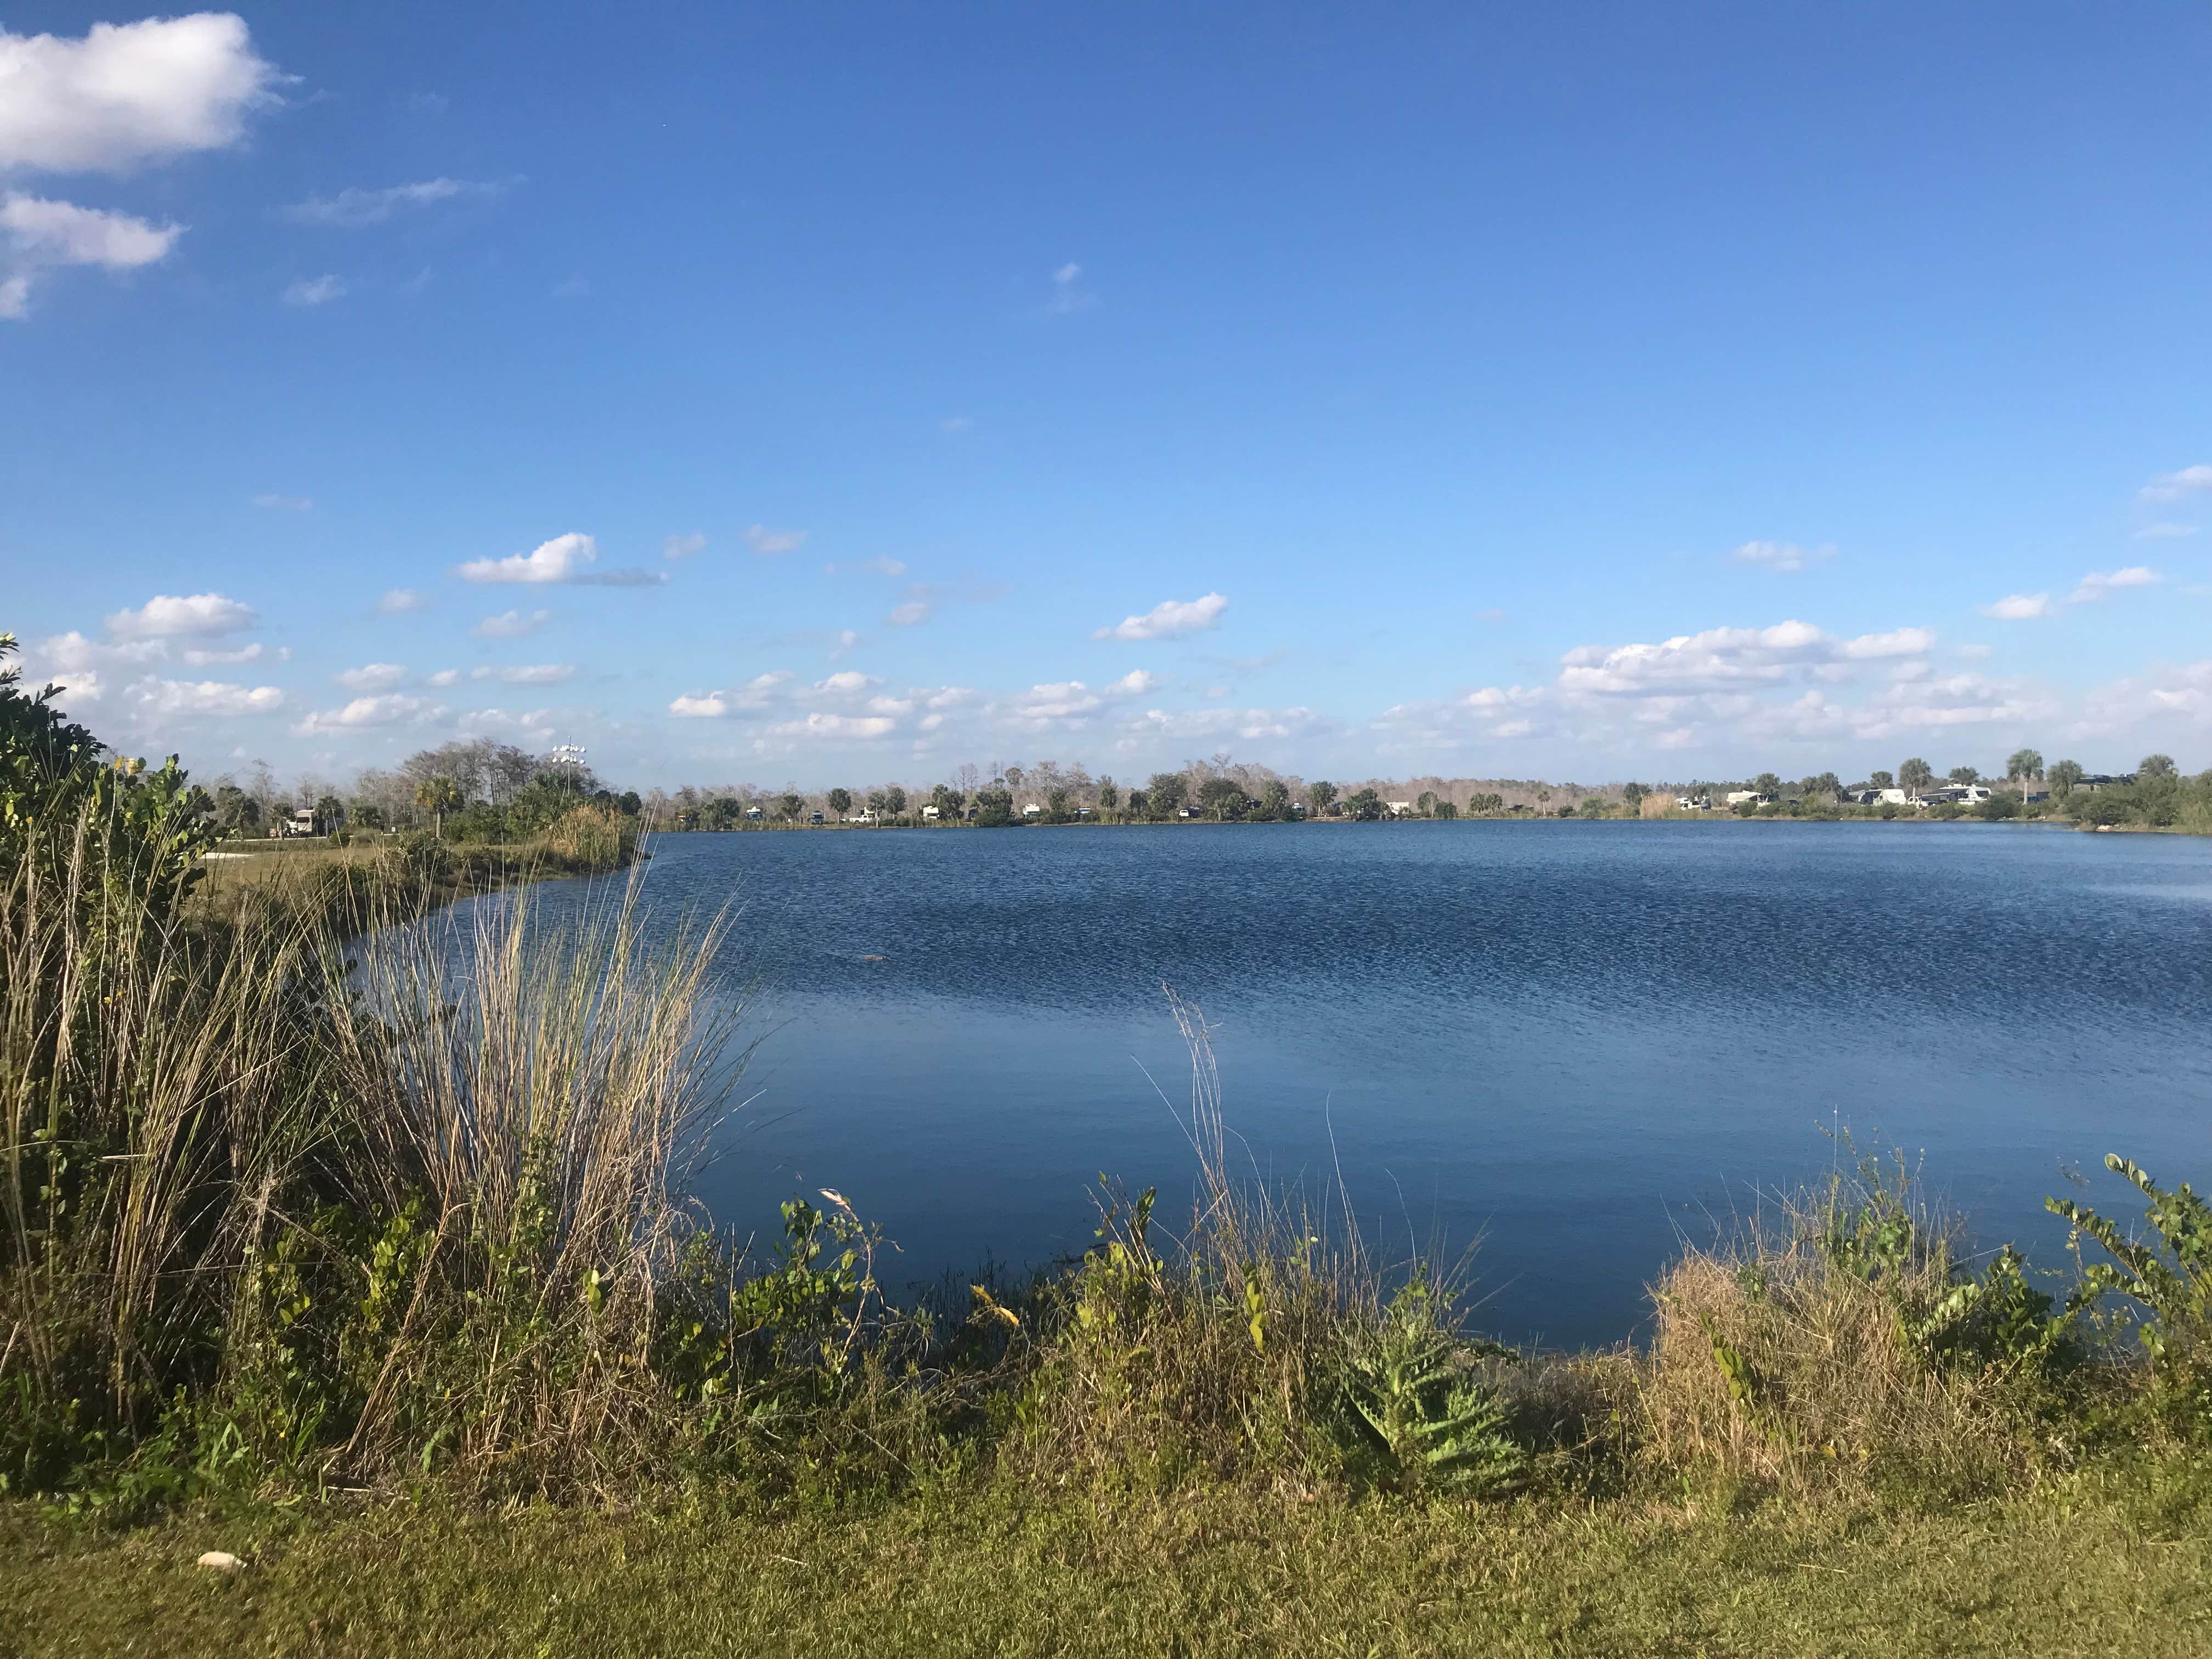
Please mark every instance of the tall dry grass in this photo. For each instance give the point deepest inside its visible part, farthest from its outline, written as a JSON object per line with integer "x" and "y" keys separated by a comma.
{"x": 150, "y": 1100}
{"x": 1261, "y": 1341}
{"x": 1796, "y": 1355}
{"x": 527, "y": 1100}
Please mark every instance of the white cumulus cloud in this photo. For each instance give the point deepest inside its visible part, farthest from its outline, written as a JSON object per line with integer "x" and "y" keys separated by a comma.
{"x": 129, "y": 94}
{"x": 562, "y": 559}
{"x": 37, "y": 235}
{"x": 371, "y": 676}
{"x": 403, "y": 601}
{"x": 2097, "y": 584}
{"x": 393, "y": 708}
{"x": 175, "y": 698}
{"x": 709, "y": 705}
{"x": 2018, "y": 607}
{"x": 2173, "y": 486}
{"x": 1168, "y": 619}
{"x": 167, "y": 616}
{"x": 512, "y": 624}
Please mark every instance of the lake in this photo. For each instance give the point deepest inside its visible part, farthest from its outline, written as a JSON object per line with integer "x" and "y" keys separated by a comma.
{"x": 1581, "y": 1042}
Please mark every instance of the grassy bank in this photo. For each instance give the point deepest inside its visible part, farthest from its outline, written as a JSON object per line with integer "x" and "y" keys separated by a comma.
{"x": 1203, "y": 1573}
{"x": 374, "y": 876}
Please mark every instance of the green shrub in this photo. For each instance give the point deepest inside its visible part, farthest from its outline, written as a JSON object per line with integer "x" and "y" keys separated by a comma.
{"x": 2170, "y": 1279}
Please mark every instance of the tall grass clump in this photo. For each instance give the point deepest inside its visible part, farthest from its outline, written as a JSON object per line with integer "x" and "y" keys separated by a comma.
{"x": 1844, "y": 1336}
{"x": 521, "y": 1104}
{"x": 151, "y": 1096}
{"x": 1255, "y": 1344}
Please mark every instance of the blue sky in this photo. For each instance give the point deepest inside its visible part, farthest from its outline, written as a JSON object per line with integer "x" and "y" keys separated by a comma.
{"x": 1576, "y": 391}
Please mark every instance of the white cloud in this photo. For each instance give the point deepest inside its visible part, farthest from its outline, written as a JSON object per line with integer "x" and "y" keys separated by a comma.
{"x": 543, "y": 673}
{"x": 1042, "y": 705}
{"x": 2165, "y": 532}
{"x": 768, "y": 543}
{"x": 38, "y": 235}
{"x": 1168, "y": 619}
{"x": 371, "y": 676}
{"x": 2018, "y": 607}
{"x": 846, "y": 680}
{"x": 1727, "y": 690}
{"x": 353, "y": 208}
{"x": 393, "y": 709}
{"x": 2096, "y": 585}
{"x": 129, "y": 94}
{"x": 270, "y": 503}
{"x": 1251, "y": 724}
{"x": 402, "y": 601}
{"x": 535, "y": 724}
{"x": 444, "y": 677}
{"x": 166, "y": 615}
{"x": 683, "y": 547}
{"x": 48, "y": 233}
{"x": 708, "y": 705}
{"x": 1898, "y": 642}
{"x": 2173, "y": 486}
{"x": 560, "y": 560}
{"x": 833, "y": 728}
{"x": 1135, "y": 684}
{"x": 1781, "y": 555}
{"x": 1067, "y": 292}
{"x": 564, "y": 559}
{"x": 908, "y": 613}
{"x": 202, "y": 657}
{"x": 512, "y": 624}
{"x": 170, "y": 698}
{"x": 1727, "y": 658}
{"x": 307, "y": 293}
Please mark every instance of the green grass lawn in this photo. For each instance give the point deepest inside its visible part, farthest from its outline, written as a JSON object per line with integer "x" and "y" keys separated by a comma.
{"x": 1220, "y": 1574}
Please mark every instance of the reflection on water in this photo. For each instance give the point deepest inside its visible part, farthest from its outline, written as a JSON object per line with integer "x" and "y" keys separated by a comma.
{"x": 1574, "y": 1040}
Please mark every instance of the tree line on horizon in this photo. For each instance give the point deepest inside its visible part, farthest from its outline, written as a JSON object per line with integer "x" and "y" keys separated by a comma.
{"x": 485, "y": 790}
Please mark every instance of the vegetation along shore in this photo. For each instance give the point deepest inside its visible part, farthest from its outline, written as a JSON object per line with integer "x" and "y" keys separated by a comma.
{"x": 371, "y": 1273}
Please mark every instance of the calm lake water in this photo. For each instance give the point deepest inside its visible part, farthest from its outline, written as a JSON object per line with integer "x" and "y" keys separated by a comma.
{"x": 1580, "y": 1042}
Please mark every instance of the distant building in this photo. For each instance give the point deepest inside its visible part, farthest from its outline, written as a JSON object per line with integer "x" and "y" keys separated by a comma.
{"x": 931, "y": 813}
{"x": 1399, "y": 809}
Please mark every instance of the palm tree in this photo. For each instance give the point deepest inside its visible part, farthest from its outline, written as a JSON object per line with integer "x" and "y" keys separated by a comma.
{"x": 841, "y": 801}
{"x": 2065, "y": 777}
{"x": 437, "y": 796}
{"x": 2026, "y": 765}
{"x": 1914, "y": 776}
